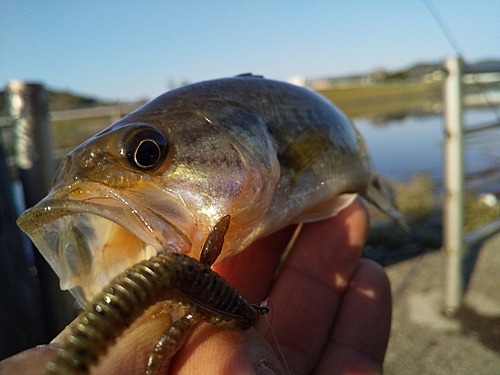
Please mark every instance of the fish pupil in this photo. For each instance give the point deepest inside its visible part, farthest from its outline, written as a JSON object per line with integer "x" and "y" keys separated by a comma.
{"x": 144, "y": 147}
{"x": 147, "y": 154}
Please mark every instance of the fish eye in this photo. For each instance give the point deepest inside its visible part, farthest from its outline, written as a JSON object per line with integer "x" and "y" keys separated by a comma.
{"x": 146, "y": 147}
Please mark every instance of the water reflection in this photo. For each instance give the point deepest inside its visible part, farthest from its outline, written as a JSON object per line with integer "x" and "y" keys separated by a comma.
{"x": 415, "y": 143}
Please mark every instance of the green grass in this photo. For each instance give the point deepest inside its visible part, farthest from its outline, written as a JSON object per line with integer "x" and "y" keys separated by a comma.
{"x": 384, "y": 99}
{"x": 71, "y": 133}
{"x": 421, "y": 203}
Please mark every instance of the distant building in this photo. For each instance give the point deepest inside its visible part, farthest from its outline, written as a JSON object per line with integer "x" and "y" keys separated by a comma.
{"x": 297, "y": 80}
{"x": 435, "y": 76}
{"x": 379, "y": 74}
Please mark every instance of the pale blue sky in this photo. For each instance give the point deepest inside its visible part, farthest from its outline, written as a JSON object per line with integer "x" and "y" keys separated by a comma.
{"x": 132, "y": 49}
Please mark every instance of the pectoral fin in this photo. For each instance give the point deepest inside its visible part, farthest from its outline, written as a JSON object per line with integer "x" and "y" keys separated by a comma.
{"x": 306, "y": 148}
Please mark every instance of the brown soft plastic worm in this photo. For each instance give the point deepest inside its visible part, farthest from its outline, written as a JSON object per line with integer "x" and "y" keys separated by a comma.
{"x": 173, "y": 277}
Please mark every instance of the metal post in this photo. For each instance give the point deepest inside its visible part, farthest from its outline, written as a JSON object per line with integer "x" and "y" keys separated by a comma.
{"x": 33, "y": 151}
{"x": 453, "y": 214}
{"x": 33, "y": 148}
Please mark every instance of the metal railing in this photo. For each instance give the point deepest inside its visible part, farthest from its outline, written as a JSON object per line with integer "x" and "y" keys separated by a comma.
{"x": 114, "y": 112}
{"x": 460, "y": 251}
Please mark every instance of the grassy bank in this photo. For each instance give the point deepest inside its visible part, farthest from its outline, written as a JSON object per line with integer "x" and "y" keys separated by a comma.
{"x": 384, "y": 98}
{"x": 421, "y": 204}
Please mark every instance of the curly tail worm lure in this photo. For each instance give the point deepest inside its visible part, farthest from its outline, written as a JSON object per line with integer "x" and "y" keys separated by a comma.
{"x": 173, "y": 277}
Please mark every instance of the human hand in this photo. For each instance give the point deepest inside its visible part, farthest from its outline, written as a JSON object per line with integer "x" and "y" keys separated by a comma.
{"x": 330, "y": 312}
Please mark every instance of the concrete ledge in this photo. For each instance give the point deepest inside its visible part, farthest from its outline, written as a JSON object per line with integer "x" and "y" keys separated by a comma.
{"x": 423, "y": 341}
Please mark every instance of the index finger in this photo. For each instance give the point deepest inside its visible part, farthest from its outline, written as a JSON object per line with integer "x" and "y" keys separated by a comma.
{"x": 305, "y": 297}
{"x": 307, "y": 294}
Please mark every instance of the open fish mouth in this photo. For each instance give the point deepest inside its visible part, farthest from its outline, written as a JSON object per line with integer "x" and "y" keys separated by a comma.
{"x": 89, "y": 241}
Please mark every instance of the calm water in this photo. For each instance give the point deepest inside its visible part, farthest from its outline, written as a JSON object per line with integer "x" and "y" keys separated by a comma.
{"x": 401, "y": 148}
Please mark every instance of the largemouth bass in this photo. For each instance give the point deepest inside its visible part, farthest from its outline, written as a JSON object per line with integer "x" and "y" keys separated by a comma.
{"x": 267, "y": 153}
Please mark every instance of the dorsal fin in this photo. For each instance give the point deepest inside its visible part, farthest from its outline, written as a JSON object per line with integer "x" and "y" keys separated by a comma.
{"x": 249, "y": 75}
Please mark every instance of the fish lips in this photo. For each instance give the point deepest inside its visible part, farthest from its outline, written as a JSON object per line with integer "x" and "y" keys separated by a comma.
{"x": 91, "y": 233}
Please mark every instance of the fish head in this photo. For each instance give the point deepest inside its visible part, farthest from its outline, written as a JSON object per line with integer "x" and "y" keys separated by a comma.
{"x": 92, "y": 225}
{"x": 146, "y": 184}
